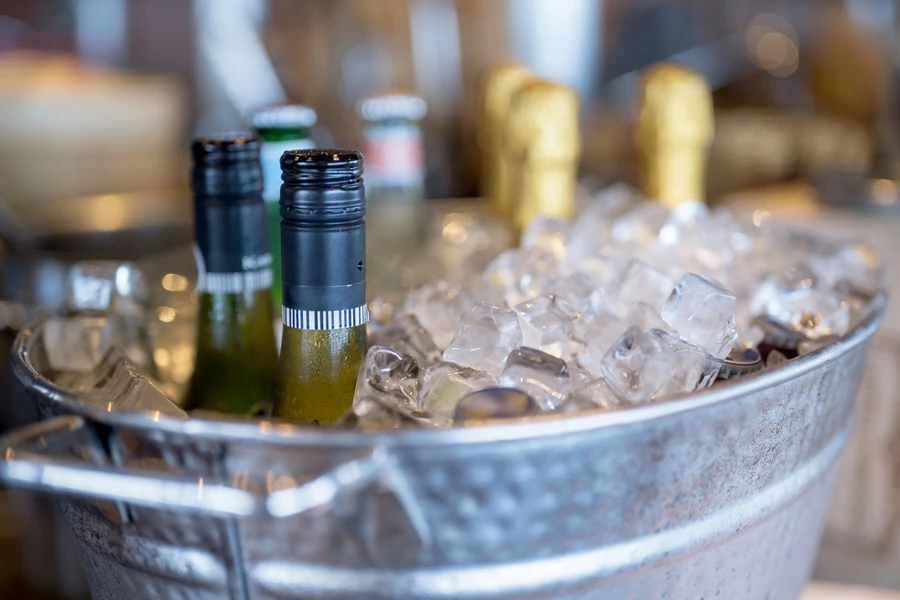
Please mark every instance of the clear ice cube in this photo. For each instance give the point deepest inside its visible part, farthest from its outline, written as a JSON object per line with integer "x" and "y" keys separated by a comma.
{"x": 371, "y": 413}
{"x": 92, "y": 285}
{"x": 578, "y": 291}
{"x": 463, "y": 243}
{"x": 406, "y": 335}
{"x": 702, "y": 312}
{"x": 521, "y": 274}
{"x": 640, "y": 226}
{"x": 438, "y": 306}
{"x": 391, "y": 375}
{"x": 547, "y": 325}
{"x": 601, "y": 331}
{"x": 775, "y": 358}
{"x": 811, "y": 311}
{"x": 642, "y": 283}
{"x": 117, "y": 385}
{"x": 638, "y": 365}
{"x": 592, "y": 395}
{"x": 485, "y": 337}
{"x": 77, "y": 343}
{"x": 854, "y": 268}
{"x": 682, "y": 221}
{"x": 495, "y": 403}
{"x": 694, "y": 368}
{"x": 146, "y": 396}
{"x": 444, "y": 384}
{"x": 540, "y": 375}
{"x": 547, "y": 234}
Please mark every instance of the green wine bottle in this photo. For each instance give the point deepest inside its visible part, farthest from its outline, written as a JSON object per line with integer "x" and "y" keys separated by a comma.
{"x": 281, "y": 127}
{"x": 237, "y": 358}
{"x": 323, "y": 249}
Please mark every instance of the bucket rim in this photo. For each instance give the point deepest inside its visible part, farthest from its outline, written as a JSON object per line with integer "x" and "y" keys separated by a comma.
{"x": 273, "y": 431}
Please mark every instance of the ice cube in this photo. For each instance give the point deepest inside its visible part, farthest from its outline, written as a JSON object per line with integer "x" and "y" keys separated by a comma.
{"x": 390, "y": 374}
{"x": 145, "y": 396}
{"x": 854, "y": 268}
{"x": 91, "y": 285}
{"x": 485, "y": 337}
{"x": 775, "y": 358}
{"x": 406, "y": 335}
{"x": 495, "y": 403}
{"x": 438, "y": 306}
{"x": 95, "y": 284}
{"x": 702, "y": 312}
{"x": 547, "y": 234}
{"x": 77, "y": 343}
{"x": 642, "y": 283}
{"x": 612, "y": 200}
{"x": 370, "y": 413}
{"x": 117, "y": 385}
{"x": 578, "y": 291}
{"x": 694, "y": 368}
{"x": 464, "y": 243}
{"x": 638, "y": 365}
{"x": 813, "y": 312}
{"x": 521, "y": 274}
{"x": 547, "y": 324}
{"x": 600, "y": 332}
{"x": 684, "y": 219}
{"x": 646, "y": 317}
{"x": 540, "y": 375}
{"x": 640, "y": 226}
{"x": 594, "y": 394}
{"x": 444, "y": 384}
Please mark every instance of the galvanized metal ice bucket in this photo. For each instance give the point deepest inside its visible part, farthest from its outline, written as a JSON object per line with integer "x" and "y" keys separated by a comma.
{"x": 720, "y": 495}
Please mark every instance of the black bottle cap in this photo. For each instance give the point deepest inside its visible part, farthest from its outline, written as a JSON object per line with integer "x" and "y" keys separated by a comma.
{"x": 227, "y": 166}
{"x": 323, "y": 239}
{"x": 322, "y": 185}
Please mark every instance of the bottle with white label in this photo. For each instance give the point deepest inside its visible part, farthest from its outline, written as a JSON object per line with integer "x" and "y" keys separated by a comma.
{"x": 281, "y": 128}
{"x": 237, "y": 358}
{"x": 397, "y": 214}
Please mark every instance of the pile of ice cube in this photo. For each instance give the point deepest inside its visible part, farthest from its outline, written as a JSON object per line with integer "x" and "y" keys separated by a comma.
{"x": 631, "y": 303}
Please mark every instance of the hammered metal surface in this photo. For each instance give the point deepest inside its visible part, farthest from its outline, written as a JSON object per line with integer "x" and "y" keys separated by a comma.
{"x": 725, "y": 499}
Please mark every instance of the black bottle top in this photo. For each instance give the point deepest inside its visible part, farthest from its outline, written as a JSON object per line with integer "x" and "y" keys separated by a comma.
{"x": 323, "y": 238}
{"x": 227, "y": 166}
{"x": 229, "y": 214}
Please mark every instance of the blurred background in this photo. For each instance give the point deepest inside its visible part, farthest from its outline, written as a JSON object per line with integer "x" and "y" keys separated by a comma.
{"x": 99, "y": 99}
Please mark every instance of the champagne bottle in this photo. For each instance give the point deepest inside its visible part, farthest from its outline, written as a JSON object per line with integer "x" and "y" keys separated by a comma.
{"x": 323, "y": 250}
{"x": 543, "y": 147}
{"x": 498, "y": 85}
{"x": 281, "y": 127}
{"x": 236, "y": 353}
{"x": 673, "y": 133}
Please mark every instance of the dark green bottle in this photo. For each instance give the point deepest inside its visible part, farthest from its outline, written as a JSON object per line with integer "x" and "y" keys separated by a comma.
{"x": 237, "y": 359}
{"x": 323, "y": 250}
{"x": 281, "y": 127}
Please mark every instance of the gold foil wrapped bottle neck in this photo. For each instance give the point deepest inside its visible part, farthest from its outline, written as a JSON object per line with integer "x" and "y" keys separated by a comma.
{"x": 497, "y": 87}
{"x": 543, "y": 145}
{"x": 673, "y": 132}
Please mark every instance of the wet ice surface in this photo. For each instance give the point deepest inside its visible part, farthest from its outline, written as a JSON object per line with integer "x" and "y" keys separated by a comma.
{"x": 629, "y": 304}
